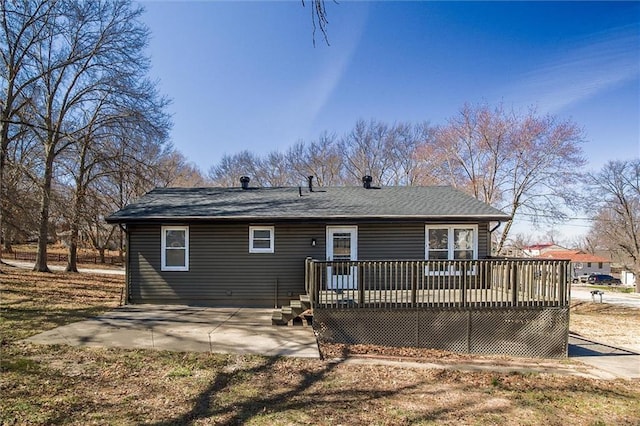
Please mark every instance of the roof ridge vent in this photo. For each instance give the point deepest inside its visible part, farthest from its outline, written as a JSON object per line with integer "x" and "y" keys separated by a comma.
{"x": 366, "y": 181}
{"x": 244, "y": 181}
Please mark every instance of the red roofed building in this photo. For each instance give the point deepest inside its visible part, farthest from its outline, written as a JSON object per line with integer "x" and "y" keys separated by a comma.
{"x": 581, "y": 262}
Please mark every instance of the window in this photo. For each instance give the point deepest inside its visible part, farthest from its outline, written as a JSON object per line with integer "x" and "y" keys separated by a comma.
{"x": 599, "y": 265}
{"x": 175, "y": 248}
{"x": 261, "y": 239}
{"x": 450, "y": 242}
{"x": 588, "y": 264}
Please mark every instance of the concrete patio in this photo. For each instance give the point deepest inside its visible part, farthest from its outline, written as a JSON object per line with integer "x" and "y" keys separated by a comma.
{"x": 186, "y": 328}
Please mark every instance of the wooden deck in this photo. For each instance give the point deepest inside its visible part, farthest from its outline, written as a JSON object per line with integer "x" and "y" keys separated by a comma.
{"x": 422, "y": 284}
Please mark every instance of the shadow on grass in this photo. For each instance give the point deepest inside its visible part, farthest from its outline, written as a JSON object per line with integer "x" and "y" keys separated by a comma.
{"x": 208, "y": 404}
{"x": 22, "y": 322}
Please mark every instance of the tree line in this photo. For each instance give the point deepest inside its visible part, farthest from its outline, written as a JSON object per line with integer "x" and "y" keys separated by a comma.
{"x": 84, "y": 132}
{"x": 520, "y": 162}
{"x": 523, "y": 163}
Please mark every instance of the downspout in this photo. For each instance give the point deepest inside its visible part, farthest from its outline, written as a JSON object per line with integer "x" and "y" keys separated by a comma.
{"x": 491, "y": 231}
{"x": 126, "y": 266}
{"x": 495, "y": 227}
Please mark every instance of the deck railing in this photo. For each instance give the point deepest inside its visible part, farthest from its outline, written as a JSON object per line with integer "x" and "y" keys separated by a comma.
{"x": 422, "y": 283}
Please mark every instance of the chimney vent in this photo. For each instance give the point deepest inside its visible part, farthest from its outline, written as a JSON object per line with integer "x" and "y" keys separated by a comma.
{"x": 310, "y": 180}
{"x": 244, "y": 181}
{"x": 366, "y": 181}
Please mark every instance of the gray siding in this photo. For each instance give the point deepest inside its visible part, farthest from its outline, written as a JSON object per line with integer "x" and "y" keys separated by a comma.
{"x": 222, "y": 272}
{"x": 221, "y": 269}
{"x": 405, "y": 241}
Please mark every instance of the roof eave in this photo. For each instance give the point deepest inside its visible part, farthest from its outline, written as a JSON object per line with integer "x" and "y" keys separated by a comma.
{"x": 155, "y": 219}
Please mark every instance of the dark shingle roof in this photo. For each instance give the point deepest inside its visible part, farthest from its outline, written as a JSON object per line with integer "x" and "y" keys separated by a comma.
{"x": 407, "y": 202}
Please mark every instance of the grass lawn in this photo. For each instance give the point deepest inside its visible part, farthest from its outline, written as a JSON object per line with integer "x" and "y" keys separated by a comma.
{"x": 71, "y": 385}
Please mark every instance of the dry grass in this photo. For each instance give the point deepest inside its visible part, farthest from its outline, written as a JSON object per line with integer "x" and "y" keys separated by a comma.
{"x": 611, "y": 324}
{"x": 71, "y": 385}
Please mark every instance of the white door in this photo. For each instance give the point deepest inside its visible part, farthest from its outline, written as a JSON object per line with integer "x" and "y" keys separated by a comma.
{"x": 342, "y": 245}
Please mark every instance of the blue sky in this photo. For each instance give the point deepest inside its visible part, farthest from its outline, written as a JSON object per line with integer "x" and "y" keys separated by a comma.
{"x": 245, "y": 75}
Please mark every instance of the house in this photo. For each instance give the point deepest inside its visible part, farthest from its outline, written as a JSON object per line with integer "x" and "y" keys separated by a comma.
{"x": 582, "y": 263}
{"x": 536, "y": 250}
{"x": 247, "y": 246}
{"x": 395, "y": 266}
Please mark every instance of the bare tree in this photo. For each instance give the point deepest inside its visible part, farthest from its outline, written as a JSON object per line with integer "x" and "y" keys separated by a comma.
{"x": 20, "y": 197}
{"x": 318, "y": 19}
{"x": 520, "y": 163}
{"x": 474, "y": 148}
{"x": 319, "y": 158}
{"x": 366, "y": 150}
{"x": 173, "y": 169}
{"x": 24, "y": 24}
{"x": 614, "y": 202}
{"x": 97, "y": 43}
{"x": 274, "y": 171}
{"x": 227, "y": 173}
{"x": 542, "y": 175}
{"x": 405, "y": 167}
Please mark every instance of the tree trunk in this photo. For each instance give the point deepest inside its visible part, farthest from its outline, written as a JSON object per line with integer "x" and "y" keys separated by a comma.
{"x": 72, "y": 261}
{"x": 43, "y": 231}
{"x": 102, "y": 258}
{"x": 4, "y": 144}
{"x": 503, "y": 237}
{"x": 8, "y": 238}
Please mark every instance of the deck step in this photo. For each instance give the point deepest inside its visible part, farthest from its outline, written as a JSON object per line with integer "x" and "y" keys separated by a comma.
{"x": 277, "y": 318}
{"x": 305, "y": 301}
{"x": 296, "y": 313}
{"x": 305, "y": 298}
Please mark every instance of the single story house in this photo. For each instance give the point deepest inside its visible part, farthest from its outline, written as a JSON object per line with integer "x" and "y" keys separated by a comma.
{"x": 246, "y": 246}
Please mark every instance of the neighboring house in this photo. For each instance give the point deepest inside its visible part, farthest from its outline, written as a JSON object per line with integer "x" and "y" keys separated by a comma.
{"x": 536, "y": 250}
{"x": 582, "y": 263}
{"x": 247, "y": 246}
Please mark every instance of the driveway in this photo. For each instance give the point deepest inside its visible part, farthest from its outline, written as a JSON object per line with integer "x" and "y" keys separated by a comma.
{"x": 29, "y": 265}
{"x": 605, "y": 361}
{"x": 186, "y": 328}
{"x": 632, "y": 300}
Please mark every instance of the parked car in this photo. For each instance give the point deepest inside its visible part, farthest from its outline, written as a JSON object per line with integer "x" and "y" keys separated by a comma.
{"x": 581, "y": 278}
{"x": 603, "y": 279}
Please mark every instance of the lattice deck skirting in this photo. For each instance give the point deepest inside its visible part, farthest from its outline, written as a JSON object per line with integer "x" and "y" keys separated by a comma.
{"x": 540, "y": 332}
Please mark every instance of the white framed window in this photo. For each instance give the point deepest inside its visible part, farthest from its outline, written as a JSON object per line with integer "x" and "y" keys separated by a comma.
{"x": 175, "y": 248}
{"x": 450, "y": 242}
{"x": 261, "y": 239}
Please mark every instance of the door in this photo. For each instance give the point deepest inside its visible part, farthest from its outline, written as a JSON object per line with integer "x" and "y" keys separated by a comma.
{"x": 342, "y": 245}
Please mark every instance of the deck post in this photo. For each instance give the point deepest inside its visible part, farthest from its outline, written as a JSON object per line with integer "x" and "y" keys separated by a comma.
{"x": 514, "y": 284}
{"x": 360, "y": 283}
{"x": 563, "y": 284}
{"x": 463, "y": 283}
{"x": 310, "y": 282}
{"x": 414, "y": 284}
